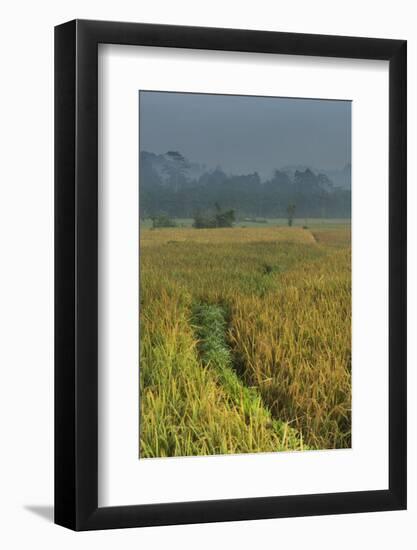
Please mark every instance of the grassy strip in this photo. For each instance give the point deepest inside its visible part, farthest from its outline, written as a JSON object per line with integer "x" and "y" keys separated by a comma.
{"x": 210, "y": 326}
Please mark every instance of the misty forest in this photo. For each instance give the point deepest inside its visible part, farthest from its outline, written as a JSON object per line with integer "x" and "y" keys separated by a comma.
{"x": 174, "y": 186}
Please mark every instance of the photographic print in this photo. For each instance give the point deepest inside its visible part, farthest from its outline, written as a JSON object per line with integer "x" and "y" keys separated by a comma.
{"x": 245, "y": 274}
{"x": 203, "y": 275}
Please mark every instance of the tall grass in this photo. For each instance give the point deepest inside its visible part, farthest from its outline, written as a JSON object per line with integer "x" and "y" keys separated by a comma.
{"x": 191, "y": 408}
{"x": 211, "y": 327}
{"x": 295, "y": 346}
{"x": 245, "y": 340}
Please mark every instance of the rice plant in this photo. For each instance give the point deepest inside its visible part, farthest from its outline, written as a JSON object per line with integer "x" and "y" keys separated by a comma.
{"x": 245, "y": 340}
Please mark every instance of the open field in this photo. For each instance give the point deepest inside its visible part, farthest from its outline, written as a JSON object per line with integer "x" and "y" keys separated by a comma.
{"x": 245, "y": 339}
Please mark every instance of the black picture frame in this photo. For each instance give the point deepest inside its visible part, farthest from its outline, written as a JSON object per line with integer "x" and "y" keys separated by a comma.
{"x": 76, "y": 272}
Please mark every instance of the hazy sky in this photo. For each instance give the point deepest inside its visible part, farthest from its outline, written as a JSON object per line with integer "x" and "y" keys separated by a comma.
{"x": 244, "y": 134}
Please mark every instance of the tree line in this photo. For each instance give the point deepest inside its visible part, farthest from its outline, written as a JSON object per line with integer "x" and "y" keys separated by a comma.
{"x": 172, "y": 186}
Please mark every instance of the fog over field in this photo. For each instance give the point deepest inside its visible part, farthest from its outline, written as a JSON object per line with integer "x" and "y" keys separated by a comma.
{"x": 254, "y": 155}
{"x": 244, "y": 134}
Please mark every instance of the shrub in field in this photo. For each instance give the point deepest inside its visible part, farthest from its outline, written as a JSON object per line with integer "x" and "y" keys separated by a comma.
{"x": 162, "y": 221}
{"x": 218, "y": 218}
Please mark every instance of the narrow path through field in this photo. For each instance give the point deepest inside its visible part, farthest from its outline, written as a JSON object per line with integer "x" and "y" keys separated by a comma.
{"x": 314, "y": 237}
{"x": 210, "y": 325}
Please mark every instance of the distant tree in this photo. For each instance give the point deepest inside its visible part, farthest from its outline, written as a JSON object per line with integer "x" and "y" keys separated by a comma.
{"x": 290, "y": 213}
{"x": 176, "y": 166}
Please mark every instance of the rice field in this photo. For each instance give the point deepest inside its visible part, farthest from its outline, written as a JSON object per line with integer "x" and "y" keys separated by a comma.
{"x": 245, "y": 340}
